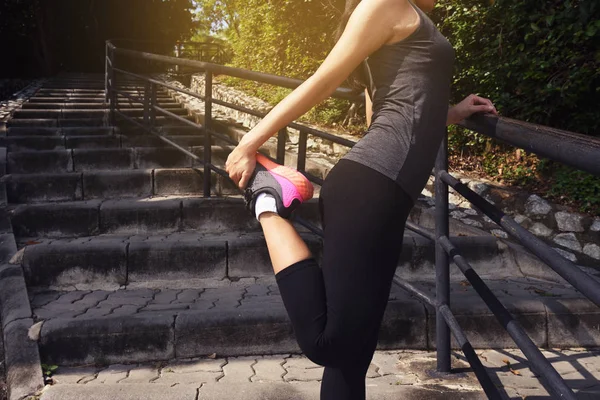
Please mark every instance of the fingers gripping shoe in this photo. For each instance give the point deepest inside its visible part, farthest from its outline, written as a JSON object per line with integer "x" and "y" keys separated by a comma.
{"x": 289, "y": 187}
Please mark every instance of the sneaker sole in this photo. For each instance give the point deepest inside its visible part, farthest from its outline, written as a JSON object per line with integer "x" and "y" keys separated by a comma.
{"x": 302, "y": 185}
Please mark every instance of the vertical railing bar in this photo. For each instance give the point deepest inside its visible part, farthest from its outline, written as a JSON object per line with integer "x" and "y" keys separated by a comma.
{"x": 207, "y": 127}
{"x": 281, "y": 138}
{"x": 106, "y": 87}
{"x": 442, "y": 260}
{"x": 153, "y": 104}
{"x": 147, "y": 101}
{"x": 113, "y": 86}
{"x": 302, "y": 151}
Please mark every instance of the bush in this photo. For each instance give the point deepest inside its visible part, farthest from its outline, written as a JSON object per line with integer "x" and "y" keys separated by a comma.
{"x": 539, "y": 62}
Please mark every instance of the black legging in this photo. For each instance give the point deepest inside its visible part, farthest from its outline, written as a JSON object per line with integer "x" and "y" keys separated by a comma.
{"x": 336, "y": 311}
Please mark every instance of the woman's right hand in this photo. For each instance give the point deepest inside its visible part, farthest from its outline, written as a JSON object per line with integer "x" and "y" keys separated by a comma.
{"x": 240, "y": 165}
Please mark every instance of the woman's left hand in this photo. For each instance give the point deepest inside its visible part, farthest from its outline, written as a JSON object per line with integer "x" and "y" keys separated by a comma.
{"x": 470, "y": 105}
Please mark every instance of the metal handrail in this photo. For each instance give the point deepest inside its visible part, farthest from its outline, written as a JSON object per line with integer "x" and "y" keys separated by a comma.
{"x": 569, "y": 148}
{"x": 216, "y": 69}
{"x": 576, "y": 150}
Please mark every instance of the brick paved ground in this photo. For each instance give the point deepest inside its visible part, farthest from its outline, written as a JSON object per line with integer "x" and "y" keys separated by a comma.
{"x": 216, "y": 295}
{"x": 397, "y": 372}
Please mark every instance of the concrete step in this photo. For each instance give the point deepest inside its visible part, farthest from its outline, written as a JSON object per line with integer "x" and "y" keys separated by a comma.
{"x": 59, "y": 90}
{"x": 81, "y": 122}
{"x": 65, "y": 131}
{"x": 61, "y": 105}
{"x": 96, "y": 88}
{"x": 48, "y": 92}
{"x": 28, "y": 143}
{"x": 56, "y": 142}
{"x": 90, "y": 113}
{"x": 159, "y": 215}
{"x": 57, "y": 123}
{"x": 87, "y": 99}
{"x": 247, "y": 317}
{"x": 194, "y": 139}
{"x": 88, "y": 106}
{"x": 111, "y": 261}
{"x": 89, "y": 159}
{"x": 90, "y": 185}
{"x": 175, "y": 130}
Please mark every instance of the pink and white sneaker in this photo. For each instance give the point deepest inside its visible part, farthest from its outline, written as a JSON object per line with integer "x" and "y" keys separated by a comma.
{"x": 289, "y": 187}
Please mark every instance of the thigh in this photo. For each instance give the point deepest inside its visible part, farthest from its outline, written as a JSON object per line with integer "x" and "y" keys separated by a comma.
{"x": 364, "y": 216}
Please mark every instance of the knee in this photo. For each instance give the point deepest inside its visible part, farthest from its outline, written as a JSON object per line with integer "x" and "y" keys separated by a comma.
{"x": 336, "y": 352}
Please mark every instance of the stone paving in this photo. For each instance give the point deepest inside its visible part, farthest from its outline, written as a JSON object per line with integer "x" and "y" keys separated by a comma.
{"x": 213, "y": 294}
{"x": 389, "y": 373}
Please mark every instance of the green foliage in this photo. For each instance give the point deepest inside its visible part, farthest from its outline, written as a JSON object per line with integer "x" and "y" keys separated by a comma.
{"x": 49, "y": 370}
{"x": 219, "y": 16}
{"x": 575, "y": 186}
{"x": 287, "y": 37}
{"x": 539, "y": 61}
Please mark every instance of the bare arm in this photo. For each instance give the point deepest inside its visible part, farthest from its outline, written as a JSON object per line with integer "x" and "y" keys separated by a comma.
{"x": 373, "y": 23}
{"x": 368, "y": 108}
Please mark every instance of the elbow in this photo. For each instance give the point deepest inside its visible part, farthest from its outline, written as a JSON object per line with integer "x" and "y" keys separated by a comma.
{"x": 322, "y": 87}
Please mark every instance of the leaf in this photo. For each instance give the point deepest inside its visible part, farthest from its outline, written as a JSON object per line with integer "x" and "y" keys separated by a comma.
{"x": 465, "y": 283}
{"x": 515, "y": 372}
{"x": 212, "y": 356}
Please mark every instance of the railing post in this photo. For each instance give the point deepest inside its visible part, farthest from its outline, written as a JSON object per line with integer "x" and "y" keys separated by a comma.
{"x": 152, "y": 110}
{"x": 442, "y": 260}
{"x": 113, "y": 85}
{"x": 281, "y": 137}
{"x": 147, "y": 103}
{"x": 207, "y": 127}
{"x": 302, "y": 151}
{"x": 106, "y": 74}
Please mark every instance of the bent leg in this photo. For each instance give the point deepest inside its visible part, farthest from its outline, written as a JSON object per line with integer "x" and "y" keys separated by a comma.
{"x": 285, "y": 246}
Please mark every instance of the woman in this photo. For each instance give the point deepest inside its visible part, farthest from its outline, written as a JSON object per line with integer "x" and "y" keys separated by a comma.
{"x": 336, "y": 310}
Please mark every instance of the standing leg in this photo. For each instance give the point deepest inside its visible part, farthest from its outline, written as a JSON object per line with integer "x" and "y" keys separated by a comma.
{"x": 344, "y": 383}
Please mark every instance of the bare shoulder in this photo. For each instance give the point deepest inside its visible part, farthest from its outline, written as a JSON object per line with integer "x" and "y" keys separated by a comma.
{"x": 381, "y": 6}
{"x": 397, "y": 14}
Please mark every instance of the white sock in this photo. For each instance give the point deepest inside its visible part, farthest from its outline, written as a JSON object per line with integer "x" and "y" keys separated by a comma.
{"x": 265, "y": 203}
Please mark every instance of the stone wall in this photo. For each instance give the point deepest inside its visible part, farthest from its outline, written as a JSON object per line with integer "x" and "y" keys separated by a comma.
{"x": 237, "y": 97}
{"x": 574, "y": 235}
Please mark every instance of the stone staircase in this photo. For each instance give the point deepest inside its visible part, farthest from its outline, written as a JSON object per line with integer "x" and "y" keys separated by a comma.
{"x": 126, "y": 262}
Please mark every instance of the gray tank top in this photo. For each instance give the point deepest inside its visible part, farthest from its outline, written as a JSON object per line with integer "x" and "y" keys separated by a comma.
{"x": 411, "y": 94}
